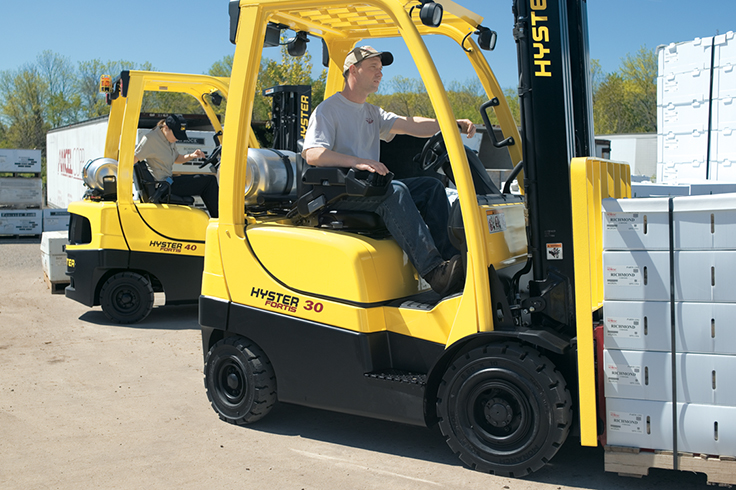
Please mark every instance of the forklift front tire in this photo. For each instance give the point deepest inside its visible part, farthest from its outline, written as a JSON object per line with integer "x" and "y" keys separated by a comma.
{"x": 504, "y": 409}
{"x": 239, "y": 380}
{"x": 126, "y": 297}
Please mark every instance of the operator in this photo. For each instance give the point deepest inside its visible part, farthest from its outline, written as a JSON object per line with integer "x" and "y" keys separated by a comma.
{"x": 345, "y": 131}
{"x": 158, "y": 149}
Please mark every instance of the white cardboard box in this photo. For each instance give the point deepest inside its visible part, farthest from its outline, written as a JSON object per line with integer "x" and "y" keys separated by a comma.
{"x": 705, "y": 222}
{"x": 19, "y": 191}
{"x": 705, "y": 276}
{"x": 707, "y": 328}
{"x": 684, "y": 56}
{"x": 53, "y": 242}
{"x": 685, "y": 147}
{"x": 636, "y": 224}
{"x": 55, "y": 267}
{"x": 684, "y": 87}
{"x": 700, "y": 276}
{"x": 55, "y": 220}
{"x": 725, "y": 53}
{"x": 20, "y": 221}
{"x": 20, "y": 161}
{"x": 683, "y": 117}
{"x": 646, "y": 375}
{"x": 636, "y": 275}
{"x": 705, "y": 429}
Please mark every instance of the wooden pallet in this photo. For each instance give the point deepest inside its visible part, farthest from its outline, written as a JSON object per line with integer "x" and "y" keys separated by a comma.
{"x": 57, "y": 287}
{"x": 629, "y": 461}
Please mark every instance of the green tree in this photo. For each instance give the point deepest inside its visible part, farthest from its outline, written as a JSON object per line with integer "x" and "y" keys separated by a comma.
{"x": 63, "y": 104}
{"x": 626, "y": 101}
{"x": 22, "y": 98}
{"x": 407, "y": 97}
{"x": 87, "y": 83}
{"x": 222, "y": 68}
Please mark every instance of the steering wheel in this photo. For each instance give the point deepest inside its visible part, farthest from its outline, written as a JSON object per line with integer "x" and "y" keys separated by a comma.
{"x": 213, "y": 158}
{"x": 434, "y": 153}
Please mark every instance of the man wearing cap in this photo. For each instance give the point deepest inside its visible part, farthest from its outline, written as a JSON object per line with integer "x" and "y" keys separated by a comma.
{"x": 158, "y": 149}
{"x": 345, "y": 131}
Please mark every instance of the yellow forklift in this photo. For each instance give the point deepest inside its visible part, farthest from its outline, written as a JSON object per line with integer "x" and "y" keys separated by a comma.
{"x": 304, "y": 305}
{"x": 128, "y": 237}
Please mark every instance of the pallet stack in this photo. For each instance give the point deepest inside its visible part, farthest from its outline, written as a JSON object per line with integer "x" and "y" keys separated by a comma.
{"x": 696, "y": 110}
{"x": 669, "y": 337}
{"x": 21, "y": 192}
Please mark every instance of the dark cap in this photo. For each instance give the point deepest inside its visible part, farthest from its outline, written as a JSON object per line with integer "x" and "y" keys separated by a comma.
{"x": 178, "y": 125}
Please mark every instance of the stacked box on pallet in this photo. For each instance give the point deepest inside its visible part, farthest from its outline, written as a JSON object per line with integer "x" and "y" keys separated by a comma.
{"x": 53, "y": 259}
{"x": 55, "y": 220}
{"x": 723, "y": 146}
{"x": 20, "y": 221}
{"x": 683, "y": 105}
{"x": 638, "y": 323}
{"x": 21, "y": 192}
{"x": 20, "y": 161}
{"x": 696, "y": 110}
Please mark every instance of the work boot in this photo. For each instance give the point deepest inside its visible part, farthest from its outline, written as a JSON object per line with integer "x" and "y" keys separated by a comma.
{"x": 447, "y": 277}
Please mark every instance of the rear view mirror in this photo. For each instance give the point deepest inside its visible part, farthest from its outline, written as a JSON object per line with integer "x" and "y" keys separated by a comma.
{"x": 297, "y": 45}
{"x": 486, "y": 38}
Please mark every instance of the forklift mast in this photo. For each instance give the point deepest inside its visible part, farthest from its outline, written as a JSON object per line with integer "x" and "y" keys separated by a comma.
{"x": 557, "y": 125}
{"x": 290, "y": 112}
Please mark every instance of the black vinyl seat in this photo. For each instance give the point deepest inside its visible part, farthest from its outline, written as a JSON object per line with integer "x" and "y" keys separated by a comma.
{"x": 320, "y": 187}
{"x": 155, "y": 191}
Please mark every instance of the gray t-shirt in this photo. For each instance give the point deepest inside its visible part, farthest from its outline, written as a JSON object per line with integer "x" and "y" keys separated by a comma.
{"x": 349, "y": 128}
{"x": 158, "y": 153}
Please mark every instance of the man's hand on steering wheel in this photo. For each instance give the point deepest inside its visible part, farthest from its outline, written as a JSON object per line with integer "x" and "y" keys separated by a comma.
{"x": 213, "y": 159}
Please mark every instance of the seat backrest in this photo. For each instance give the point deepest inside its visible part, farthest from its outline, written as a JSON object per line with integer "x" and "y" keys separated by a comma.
{"x": 143, "y": 181}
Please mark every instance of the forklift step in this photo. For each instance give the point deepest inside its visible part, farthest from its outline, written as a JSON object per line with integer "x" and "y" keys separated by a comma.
{"x": 399, "y": 376}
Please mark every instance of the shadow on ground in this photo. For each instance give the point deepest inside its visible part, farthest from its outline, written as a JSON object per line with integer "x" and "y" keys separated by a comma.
{"x": 179, "y": 317}
{"x": 573, "y": 466}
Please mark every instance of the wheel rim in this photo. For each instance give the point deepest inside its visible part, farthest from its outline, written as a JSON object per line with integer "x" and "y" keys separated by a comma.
{"x": 125, "y": 299}
{"x": 231, "y": 381}
{"x": 496, "y": 412}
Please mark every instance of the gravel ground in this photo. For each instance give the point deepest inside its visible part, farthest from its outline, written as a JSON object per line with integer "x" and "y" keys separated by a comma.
{"x": 85, "y": 404}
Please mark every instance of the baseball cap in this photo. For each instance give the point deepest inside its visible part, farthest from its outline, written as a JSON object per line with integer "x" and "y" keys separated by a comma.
{"x": 178, "y": 125}
{"x": 361, "y": 53}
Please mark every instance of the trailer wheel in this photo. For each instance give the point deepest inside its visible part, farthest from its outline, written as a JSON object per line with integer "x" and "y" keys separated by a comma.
{"x": 240, "y": 381}
{"x": 126, "y": 297}
{"x": 504, "y": 409}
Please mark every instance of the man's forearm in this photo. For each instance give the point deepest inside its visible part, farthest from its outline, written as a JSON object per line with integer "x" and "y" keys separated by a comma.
{"x": 322, "y": 157}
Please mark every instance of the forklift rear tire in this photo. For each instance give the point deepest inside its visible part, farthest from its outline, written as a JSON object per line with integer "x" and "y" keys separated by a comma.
{"x": 126, "y": 297}
{"x": 240, "y": 381}
{"x": 504, "y": 409}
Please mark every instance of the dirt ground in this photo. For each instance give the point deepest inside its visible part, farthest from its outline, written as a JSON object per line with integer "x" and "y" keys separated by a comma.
{"x": 86, "y": 404}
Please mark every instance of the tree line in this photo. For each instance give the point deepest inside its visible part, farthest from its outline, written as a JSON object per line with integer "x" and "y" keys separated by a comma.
{"x": 53, "y": 92}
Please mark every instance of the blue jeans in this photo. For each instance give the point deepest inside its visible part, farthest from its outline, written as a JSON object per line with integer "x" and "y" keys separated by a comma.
{"x": 415, "y": 211}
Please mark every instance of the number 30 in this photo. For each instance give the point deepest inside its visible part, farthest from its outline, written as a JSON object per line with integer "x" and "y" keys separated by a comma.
{"x": 317, "y": 307}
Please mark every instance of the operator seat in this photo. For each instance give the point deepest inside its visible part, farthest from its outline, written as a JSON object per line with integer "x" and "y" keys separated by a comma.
{"x": 155, "y": 191}
{"x": 319, "y": 187}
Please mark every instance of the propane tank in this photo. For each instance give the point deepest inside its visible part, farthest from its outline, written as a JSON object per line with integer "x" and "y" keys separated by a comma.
{"x": 95, "y": 171}
{"x": 271, "y": 176}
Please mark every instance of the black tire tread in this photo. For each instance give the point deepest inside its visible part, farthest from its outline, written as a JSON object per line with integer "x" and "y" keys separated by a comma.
{"x": 561, "y": 401}
{"x": 263, "y": 378}
{"x": 147, "y": 297}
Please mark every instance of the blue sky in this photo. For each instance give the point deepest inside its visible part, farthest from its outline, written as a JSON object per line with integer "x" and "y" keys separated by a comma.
{"x": 190, "y": 35}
